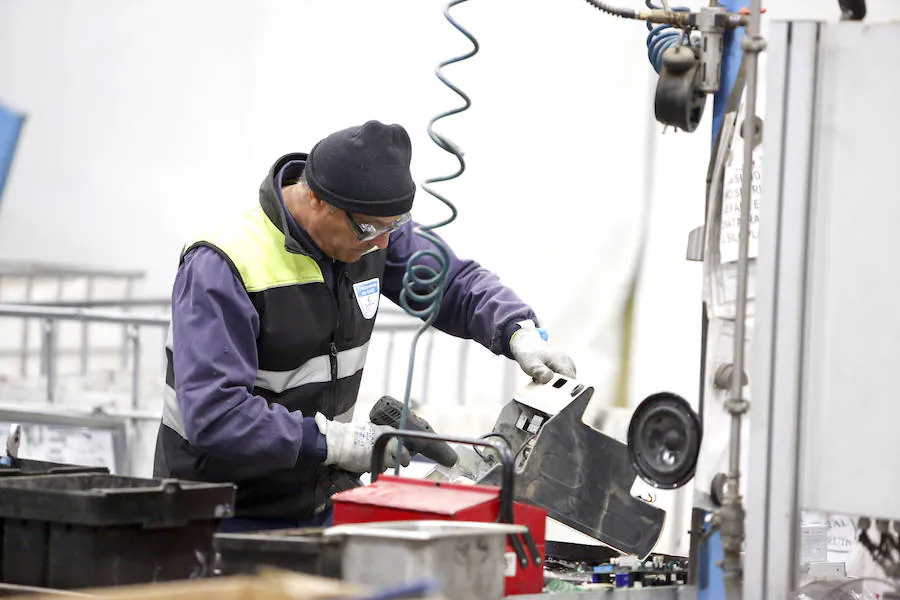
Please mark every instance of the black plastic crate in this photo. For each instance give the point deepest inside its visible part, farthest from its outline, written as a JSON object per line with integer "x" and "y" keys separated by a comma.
{"x": 303, "y": 550}
{"x": 20, "y": 467}
{"x": 87, "y": 530}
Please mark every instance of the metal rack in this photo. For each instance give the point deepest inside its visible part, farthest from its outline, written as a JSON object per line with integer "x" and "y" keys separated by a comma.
{"x": 29, "y": 276}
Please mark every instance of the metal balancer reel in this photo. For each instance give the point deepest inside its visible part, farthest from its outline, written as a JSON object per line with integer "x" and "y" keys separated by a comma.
{"x": 679, "y": 99}
{"x": 664, "y": 440}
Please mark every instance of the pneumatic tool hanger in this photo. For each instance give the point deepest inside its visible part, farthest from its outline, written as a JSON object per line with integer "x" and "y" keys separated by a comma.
{"x": 685, "y": 49}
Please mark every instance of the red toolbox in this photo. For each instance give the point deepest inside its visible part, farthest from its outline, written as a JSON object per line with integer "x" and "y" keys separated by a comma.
{"x": 399, "y": 499}
{"x": 391, "y": 498}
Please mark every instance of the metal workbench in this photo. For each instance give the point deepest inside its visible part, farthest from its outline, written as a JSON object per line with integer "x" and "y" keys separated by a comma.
{"x": 674, "y": 592}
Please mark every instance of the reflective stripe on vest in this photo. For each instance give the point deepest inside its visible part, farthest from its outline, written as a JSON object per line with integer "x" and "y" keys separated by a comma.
{"x": 171, "y": 416}
{"x": 316, "y": 370}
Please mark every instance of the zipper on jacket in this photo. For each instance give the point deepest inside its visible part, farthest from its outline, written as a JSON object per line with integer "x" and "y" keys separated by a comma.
{"x": 332, "y": 348}
{"x": 333, "y": 354}
{"x": 351, "y": 300}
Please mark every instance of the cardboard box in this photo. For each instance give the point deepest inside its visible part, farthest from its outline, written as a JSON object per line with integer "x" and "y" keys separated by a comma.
{"x": 270, "y": 586}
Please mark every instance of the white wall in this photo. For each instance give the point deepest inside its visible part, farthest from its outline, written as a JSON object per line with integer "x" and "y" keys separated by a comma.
{"x": 147, "y": 117}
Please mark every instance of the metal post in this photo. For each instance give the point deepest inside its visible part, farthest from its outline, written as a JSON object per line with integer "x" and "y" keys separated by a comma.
{"x": 60, "y": 292}
{"x": 132, "y": 441}
{"x": 129, "y": 290}
{"x": 134, "y": 335}
{"x": 44, "y": 355}
{"x": 133, "y": 430}
{"x": 48, "y": 362}
{"x": 23, "y": 368}
{"x": 85, "y": 327}
{"x": 732, "y": 514}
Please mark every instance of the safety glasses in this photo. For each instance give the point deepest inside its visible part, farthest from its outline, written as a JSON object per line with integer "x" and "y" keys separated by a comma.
{"x": 366, "y": 232}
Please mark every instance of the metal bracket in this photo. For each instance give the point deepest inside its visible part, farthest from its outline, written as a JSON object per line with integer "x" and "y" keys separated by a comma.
{"x": 737, "y": 406}
{"x": 724, "y": 374}
{"x": 696, "y": 246}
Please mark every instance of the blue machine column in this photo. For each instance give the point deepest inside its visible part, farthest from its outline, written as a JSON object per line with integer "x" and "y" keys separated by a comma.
{"x": 709, "y": 577}
{"x": 731, "y": 62}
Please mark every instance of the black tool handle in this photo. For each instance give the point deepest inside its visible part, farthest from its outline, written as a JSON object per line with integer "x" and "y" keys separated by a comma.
{"x": 852, "y": 10}
{"x": 388, "y": 411}
{"x": 507, "y": 491}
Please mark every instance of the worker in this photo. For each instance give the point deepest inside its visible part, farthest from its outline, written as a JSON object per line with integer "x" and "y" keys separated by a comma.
{"x": 272, "y": 313}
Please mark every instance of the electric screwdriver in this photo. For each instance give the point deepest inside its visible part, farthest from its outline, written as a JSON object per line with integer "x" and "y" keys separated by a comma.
{"x": 387, "y": 411}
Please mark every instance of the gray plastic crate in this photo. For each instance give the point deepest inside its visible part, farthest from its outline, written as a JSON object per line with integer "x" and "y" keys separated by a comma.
{"x": 24, "y": 467}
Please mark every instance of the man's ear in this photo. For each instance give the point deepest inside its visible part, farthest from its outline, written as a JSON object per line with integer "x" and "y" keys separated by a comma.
{"x": 316, "y": 204}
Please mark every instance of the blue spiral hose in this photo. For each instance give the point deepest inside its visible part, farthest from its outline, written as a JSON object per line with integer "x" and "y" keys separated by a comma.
{"x": 423, "y": 284}
{"x": 663, "y": 37}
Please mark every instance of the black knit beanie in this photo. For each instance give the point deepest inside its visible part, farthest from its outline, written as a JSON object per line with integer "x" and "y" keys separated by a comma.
{"x": 364, "y": 170}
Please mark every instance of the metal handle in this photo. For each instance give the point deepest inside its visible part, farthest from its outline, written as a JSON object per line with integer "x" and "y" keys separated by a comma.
{"x": 507, "y": 491}
{"x": 532, "y": 547}
{"x": 507, "y": 482}
{"x": 521, "y": 555}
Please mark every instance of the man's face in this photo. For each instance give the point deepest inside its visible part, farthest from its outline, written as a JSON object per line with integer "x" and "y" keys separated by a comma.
{"x": 339, "y": 233}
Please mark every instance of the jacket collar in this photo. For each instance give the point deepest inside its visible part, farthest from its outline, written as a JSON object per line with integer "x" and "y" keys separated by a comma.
{"x": 273, "y": 207}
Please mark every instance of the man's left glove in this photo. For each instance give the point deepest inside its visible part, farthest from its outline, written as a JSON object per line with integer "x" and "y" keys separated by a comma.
{"x": 536, "y": 357}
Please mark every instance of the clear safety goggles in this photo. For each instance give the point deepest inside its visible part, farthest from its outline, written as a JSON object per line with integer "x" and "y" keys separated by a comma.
{"x": 366, "y": 232}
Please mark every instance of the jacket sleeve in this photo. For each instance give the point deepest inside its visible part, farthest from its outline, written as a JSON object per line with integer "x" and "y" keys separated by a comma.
{"x": 476, "y": 304}
{"x": 214, "y": 328}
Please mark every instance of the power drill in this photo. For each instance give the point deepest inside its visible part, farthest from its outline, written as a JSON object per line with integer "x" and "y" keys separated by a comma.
{"x": 387, "y": 411}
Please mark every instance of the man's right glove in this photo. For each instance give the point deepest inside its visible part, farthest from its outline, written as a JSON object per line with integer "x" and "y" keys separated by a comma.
{"x": 349, "y": 445}
{"x": 536, "y": 357}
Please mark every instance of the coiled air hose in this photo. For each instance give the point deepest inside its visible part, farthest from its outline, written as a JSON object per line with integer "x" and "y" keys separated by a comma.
{"x": 423, "y": 284}
{"x": 663, "y": 37}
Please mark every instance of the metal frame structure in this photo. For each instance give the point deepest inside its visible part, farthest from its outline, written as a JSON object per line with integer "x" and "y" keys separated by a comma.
{"x": 52, "y": 315}
{"x": 781, "y": 307}
{"x": 707, "y": 550}
{"x": 823, "y": 427}
{"x": 32, "y": 273}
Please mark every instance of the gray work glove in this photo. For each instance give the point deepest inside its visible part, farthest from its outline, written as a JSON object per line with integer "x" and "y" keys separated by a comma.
{"x": 350, "y": 445}
{"x": 536, "y": 357}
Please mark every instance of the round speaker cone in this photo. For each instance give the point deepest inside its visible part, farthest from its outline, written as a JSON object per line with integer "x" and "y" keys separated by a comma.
{"x": 664, "y": 440}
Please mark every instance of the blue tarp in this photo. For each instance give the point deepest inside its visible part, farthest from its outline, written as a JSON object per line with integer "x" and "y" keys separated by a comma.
{"x": 10, "y": 127}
